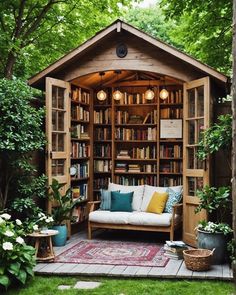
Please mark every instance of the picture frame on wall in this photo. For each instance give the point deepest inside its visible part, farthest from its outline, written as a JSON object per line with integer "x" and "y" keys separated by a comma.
{"x": 171, "y": 128}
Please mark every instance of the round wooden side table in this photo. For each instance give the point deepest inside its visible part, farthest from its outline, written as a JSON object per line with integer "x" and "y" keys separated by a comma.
{"x": 43, "y": 244}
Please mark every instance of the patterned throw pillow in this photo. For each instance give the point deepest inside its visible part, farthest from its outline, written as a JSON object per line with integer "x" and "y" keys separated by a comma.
{"x": 105, "y": 199}
{"x": 174, "y": 198}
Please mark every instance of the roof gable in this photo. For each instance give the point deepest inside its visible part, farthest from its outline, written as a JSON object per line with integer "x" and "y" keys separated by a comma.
{"x": 118, "y": 26}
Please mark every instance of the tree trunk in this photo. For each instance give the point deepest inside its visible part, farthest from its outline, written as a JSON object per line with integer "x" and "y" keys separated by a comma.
{"x": 8, "y": 71}
{"x": 234, "y": 133}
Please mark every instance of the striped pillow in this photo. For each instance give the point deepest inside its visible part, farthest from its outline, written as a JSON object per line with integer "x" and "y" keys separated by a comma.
{"x": 105, "y": 199}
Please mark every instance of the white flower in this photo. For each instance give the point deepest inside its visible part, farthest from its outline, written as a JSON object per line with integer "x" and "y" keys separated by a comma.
{"x": 35, "y": 227}
{"x": 9, "y": 233}
{"x": 18, "y": 222}
{"x": 2, "y": 220}
{"x": 19, "y": 240}
{"x": 7, "y": 246}
{"x": 5, "y": 216}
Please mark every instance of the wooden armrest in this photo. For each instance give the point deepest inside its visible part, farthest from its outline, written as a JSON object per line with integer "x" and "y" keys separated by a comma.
{"x": 91, "y": 205}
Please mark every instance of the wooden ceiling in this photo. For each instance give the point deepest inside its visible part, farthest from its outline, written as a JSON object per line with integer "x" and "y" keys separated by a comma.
{"x": 124, "y": 78}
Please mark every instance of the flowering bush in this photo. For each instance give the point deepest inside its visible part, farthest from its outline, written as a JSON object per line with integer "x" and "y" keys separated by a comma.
{"x": 212, "y": 227}
{"x": 43, "y": 221}
{"x": 16, "y": 258}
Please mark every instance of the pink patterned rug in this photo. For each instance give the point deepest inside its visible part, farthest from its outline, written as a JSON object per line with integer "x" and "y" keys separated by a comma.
{"x": 114, "y": 253}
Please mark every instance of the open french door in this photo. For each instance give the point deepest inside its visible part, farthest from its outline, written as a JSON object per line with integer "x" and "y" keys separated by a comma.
{"x": 57, "y": 132}
{"x": 195, "y": 172}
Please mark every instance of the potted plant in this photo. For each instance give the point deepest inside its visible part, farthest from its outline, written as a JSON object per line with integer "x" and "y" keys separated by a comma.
{"x": 61, "y": 212}
{"x": 214, "y": 234}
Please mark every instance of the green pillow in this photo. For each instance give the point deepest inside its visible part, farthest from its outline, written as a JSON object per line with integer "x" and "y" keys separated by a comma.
{"x": 121, "y": 201}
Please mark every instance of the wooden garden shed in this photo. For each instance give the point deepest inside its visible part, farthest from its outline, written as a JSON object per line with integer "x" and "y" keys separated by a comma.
{"x": 139, "y": 136}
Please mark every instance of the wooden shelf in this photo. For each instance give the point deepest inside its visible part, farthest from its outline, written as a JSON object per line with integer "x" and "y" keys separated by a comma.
{"x": 102, "y": 158}
{"x": 81, "y": 159}
{"x": 136, "y": 173}
{"x": 137, "y": 125}
{"x": 80, "y": 139}
{"x": 102, "y": 106}
{"x": 136, "y": 160}
{"x": 102, "y": 140}
{"x": 167, "y": 105}
{"x": 171, "y": 141}
{"x": 102, "y": 172}
{"x": 171, "y": 159}
{"x": 102, "y": 125}
{"x": 170, "y": 173}
{"x": 138, "y": 141}
{"x": 79, "y": 179}
{"x": 79, "y": 121}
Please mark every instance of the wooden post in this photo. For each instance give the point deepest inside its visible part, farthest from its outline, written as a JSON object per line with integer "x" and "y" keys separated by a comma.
{"x": 234, "y": 134}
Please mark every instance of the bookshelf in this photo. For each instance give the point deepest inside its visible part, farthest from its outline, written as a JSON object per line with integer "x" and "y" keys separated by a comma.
{"x": 80, "y": 151}
{"x": 128, "y": 149}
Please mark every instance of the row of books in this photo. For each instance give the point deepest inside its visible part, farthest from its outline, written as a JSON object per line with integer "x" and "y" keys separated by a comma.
{"x": 123, "y": 117}
{"x": 148, "y": 152}
{"x": 80, "y": 95}
{"x": 101, "y": 182}
{"x": 102, "y": 165}
{"x": 102, "y": 133}
{"x": 134, "y": 168}
{"x": 79, "y": 131}
{"x": 101, "y": 150}
{"x": 129, "y": 180}
{"x": 174, "y": 97}
{"x": 79, "y": 214}
{"x": 80, "y": 150}
{"x": 174, "y": 249}
{"x": 171, "y": 113}
{"x": 171, "y": 166}
{"x": 173, "y": 151}
{"x": 134, "y": 98}
{"x": 79, "y": 113}
{"x": 135, "y": 134}
{"x": 102, "y": 116}
{"x": 80, "y": 191}
{"x": 170, "y": 180}
{"x": 80, "y": 170}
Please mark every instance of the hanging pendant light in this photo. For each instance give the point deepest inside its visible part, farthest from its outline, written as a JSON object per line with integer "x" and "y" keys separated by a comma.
{"x": 101, "y": 94}
{"x": 117, "y": 94}
{"x": 164, "y": 93}
{"x": 149, "y": 93}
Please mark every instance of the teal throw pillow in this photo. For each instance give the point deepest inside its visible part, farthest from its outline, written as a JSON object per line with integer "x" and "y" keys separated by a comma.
{"x": 105, "y": 199}
{"x": 174, "y": 198}
{"x": 121, "y": 201}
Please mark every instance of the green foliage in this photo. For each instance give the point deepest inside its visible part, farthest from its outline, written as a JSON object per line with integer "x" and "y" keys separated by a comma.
{"x": 204, "y": 29}
{"x": 128, "y": 286}
{"x": 16, "y": 258}
{"x": 214, "y": 200}
{"x": 152, "y": 21}
{"x": 35, "y": 33}
{"x": 20, "y": 135}
{"x": 212, "y": 227}
{"x": 20, "y": 123}
{"x": 218, "y": 136}
{"x": 65, "y": 203}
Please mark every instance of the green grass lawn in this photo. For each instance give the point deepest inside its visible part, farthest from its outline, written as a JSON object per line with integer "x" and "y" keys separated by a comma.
{"x": 48, "y": 286}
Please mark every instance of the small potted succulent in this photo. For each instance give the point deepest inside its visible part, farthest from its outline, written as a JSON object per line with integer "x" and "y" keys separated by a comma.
{"x": 214, "y": 234}
{"x": 61, "y": 212}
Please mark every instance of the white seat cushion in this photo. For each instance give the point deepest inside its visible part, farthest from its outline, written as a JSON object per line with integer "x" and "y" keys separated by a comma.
{"x": 103, "y": 216}
{"x": 138, "y": 193}
{"x": 152, "y": 219}
{"x": 149, "y": 190}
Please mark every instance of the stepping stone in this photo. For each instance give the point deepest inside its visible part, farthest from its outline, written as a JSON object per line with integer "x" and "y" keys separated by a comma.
{"x": 86, "y": 285}
{"x": 64, "y": 287}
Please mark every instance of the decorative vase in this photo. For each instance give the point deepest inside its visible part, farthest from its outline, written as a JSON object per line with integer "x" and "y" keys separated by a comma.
{"x": 210, "y": 241}
{"x": 60, "y": 239}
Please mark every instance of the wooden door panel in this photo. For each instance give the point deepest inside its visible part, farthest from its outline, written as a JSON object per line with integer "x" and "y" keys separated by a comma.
{"x": 57, "y": 132}
{"x": 195, "y": 172}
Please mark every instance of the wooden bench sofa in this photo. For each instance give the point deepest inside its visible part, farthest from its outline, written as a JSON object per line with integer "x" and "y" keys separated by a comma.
{"x": 139, "y": 219}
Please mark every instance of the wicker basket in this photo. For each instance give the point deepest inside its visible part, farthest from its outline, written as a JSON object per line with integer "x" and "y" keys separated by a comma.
{"x": 198, "y": 259}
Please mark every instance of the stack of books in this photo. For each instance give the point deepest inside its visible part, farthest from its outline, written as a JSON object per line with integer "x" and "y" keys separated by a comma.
{"x": 134, "y": 168}
{"x": 123, "y": 154}
{"x": 174, "y": 249}
{"x": 121, "y": 167}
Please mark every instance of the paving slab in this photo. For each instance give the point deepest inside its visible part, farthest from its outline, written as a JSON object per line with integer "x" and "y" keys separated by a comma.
{"x": 86, "y": 285}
